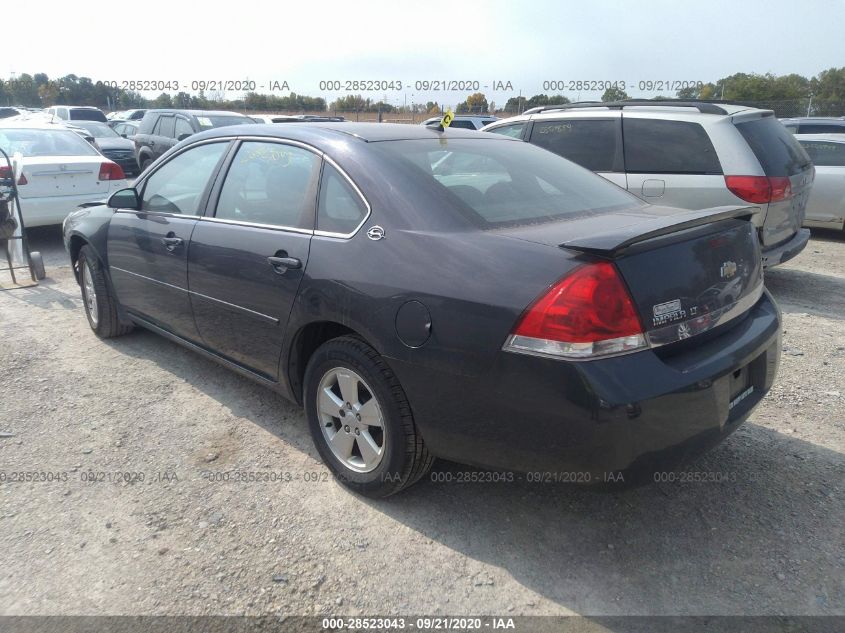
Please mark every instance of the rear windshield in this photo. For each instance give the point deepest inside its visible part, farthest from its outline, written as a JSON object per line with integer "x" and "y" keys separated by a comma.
{"x": 776, "y": 149}
{"x": 498, "y": 183}
{"x": 87, "y": 115}
{"x": 222, "y": 120}
{"x": 98, "y": 129}
{"x": 44, "y": 143}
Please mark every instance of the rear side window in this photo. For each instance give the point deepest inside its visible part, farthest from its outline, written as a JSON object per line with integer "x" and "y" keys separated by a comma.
{"x": 653, "y": 146}
{"x": 590, "y": 143}
{"x": 824, "y": 153}
{"x": 269, "y": 183}
{"x": 165, "y": 127}
{"x": 340, "y": 209}
{"x": 778, "y": 151}
{"x": 514, "y": 130}
{"x": 466, "y": 125}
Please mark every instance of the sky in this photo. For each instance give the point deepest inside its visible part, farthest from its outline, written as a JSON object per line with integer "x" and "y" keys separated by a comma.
{"x": 524, "y": 43}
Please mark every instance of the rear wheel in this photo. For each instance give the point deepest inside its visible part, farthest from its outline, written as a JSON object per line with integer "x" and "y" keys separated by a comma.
{"x": 100, "y": 303}
{"x": 361, "y": 421}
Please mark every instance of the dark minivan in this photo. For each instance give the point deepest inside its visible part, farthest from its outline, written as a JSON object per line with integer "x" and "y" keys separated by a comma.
{"x": 162, "y": 129}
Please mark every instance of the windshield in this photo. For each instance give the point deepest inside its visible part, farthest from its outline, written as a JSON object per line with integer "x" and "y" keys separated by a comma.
{"x": 32, "y": 142}
{"x": 222, "y": 120}
{"x": 508, "y": 183}
{"x": 97, "y": 129}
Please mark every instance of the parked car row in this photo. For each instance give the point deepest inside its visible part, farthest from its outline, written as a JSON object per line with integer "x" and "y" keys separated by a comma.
{"x": 688, "y": 155}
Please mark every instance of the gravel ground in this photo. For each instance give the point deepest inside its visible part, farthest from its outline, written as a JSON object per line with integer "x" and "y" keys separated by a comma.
{"x": 768, "y": 539}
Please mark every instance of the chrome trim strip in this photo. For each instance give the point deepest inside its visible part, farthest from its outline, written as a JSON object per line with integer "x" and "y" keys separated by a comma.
{"x": 261, "y": 315}
{"x": 281, "y": 141}
{"x": 698, "y": 325}
{"x": 257, "y": 225}
{"x": 159, "y": 214}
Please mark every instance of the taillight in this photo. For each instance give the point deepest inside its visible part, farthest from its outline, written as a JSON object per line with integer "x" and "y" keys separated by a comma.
{"x": 111, "y": 171}
{"x": 6, "y": 174}
{"x": 760, "y": 189}
{"x": 586, "y": 314}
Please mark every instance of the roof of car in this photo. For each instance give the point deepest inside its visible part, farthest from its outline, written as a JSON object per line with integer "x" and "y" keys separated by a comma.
{"x": 196, "y": 112}
{"x": 832, "y": 137}
{"x": 367, "y": 132}
{"x": 816, "y": 119}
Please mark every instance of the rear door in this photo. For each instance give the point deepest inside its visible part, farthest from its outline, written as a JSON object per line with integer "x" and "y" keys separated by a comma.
{"x": 148, "y": 247}
{"x": 671, "y": 163}
{"x": 594, "y": 143}
{"x": 248, "y": 256}
{"x": 781, "y": 156}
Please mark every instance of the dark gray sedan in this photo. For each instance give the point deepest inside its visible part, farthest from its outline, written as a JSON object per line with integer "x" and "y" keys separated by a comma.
{"x": 441, "y": 293}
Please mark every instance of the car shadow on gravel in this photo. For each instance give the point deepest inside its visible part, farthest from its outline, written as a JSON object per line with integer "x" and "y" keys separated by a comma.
{"x": 802, "y": 291}
{"x": 758, "y": 534}
{"x": 763, "y": 539}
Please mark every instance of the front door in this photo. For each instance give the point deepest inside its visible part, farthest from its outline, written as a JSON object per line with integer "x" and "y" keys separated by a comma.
{"x": 246, "y": 262}
{"x": 148, "y": 247}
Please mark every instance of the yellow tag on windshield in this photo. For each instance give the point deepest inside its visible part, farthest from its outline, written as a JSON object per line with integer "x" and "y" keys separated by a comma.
{"x": 447, "y": 118}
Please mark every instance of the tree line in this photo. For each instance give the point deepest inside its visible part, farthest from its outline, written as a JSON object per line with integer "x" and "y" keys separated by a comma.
{"x": 824, "y": 94}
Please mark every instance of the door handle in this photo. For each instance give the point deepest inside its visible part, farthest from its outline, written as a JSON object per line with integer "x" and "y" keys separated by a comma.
{"x": 282, "y": 264}
{"x": 171, "y": 242}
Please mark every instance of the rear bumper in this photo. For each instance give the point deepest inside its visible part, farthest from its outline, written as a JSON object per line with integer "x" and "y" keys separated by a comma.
{"x": 786, "y": 251}
{"x": 635, "y": 414}
{"x": 43, "y": 211}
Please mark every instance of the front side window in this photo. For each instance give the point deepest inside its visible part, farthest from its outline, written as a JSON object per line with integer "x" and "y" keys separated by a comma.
{"x": 514, "y": 130}
{"x": 592, "y": 143}
{"x": 825, "y": 153}
{"x": 654, "y": 146}
{"x": 178, "y": 186}
{"x": 165, "y": 127}
{"x": 340, "y": 209}
{"x": 269, "y": 183}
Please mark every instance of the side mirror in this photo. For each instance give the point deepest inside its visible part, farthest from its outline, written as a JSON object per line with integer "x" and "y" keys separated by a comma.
{"x": 124, "y": 135}
{"x": 182, "y": 137}
{"x": 125, "y": 199}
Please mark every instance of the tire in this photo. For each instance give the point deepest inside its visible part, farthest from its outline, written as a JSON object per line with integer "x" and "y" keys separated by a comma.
{"x": 101, "y": 308}
{"x": 145, "y": 162}
{"x": 37, "y": 263}
{"x": 402, "y": 457}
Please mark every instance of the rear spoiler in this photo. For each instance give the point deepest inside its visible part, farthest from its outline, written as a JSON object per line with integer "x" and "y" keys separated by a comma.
{"x": 613, "y": 242}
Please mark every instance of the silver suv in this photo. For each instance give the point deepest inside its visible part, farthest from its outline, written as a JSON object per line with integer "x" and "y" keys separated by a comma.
{"x": 690, "y": 155}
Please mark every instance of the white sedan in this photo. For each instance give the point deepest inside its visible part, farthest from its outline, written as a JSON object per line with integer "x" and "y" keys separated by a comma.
{"x": 826, "y": 206}
{"x": 57, "y": 171}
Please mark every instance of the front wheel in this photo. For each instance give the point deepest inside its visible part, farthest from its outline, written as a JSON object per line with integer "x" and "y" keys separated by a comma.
{"x": 100, "y": 303}
{"x": 361, "y": 421}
